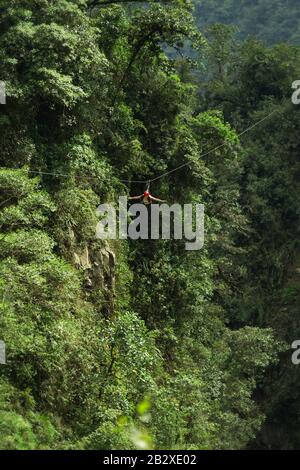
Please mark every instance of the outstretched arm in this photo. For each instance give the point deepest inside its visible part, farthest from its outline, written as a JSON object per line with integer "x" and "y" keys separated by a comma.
{"x": 135, "y": 197}
{"x": 155, "y": 199}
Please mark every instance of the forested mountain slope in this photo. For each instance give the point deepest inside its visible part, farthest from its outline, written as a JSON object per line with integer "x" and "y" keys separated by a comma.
{"x": 281, "y": 391}
{"x": 137, "y": 344}
{"x": 249, "y": 78}
{"x": 270, "y": 20}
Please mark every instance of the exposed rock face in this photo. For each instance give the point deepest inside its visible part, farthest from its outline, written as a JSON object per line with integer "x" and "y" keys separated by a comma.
{"x": 98, "y": 264}
{"x": 103, "y": 268}
{"x": 82, "y": 259}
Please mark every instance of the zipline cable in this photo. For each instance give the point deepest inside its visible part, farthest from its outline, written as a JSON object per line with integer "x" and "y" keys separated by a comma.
{"x": 149, "y": 181}
{"x": 215, "y": 148}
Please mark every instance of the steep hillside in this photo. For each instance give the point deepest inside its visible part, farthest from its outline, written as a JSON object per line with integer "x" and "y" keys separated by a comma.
{"x": 272, "y": 21}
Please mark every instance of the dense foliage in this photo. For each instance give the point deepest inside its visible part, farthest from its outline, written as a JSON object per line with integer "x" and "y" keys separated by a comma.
{"x": 162, "y": 347}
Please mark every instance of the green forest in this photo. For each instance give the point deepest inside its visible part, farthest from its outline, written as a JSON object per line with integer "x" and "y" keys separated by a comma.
{"x": 141, "y": 344}
{"x": 272, "y": 21}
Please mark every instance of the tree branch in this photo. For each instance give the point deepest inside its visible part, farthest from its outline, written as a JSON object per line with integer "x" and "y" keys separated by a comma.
{"x": 95, "y": 3}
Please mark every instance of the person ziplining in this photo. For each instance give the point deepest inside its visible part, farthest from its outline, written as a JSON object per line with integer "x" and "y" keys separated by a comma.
{"x": 146, "y": 198}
